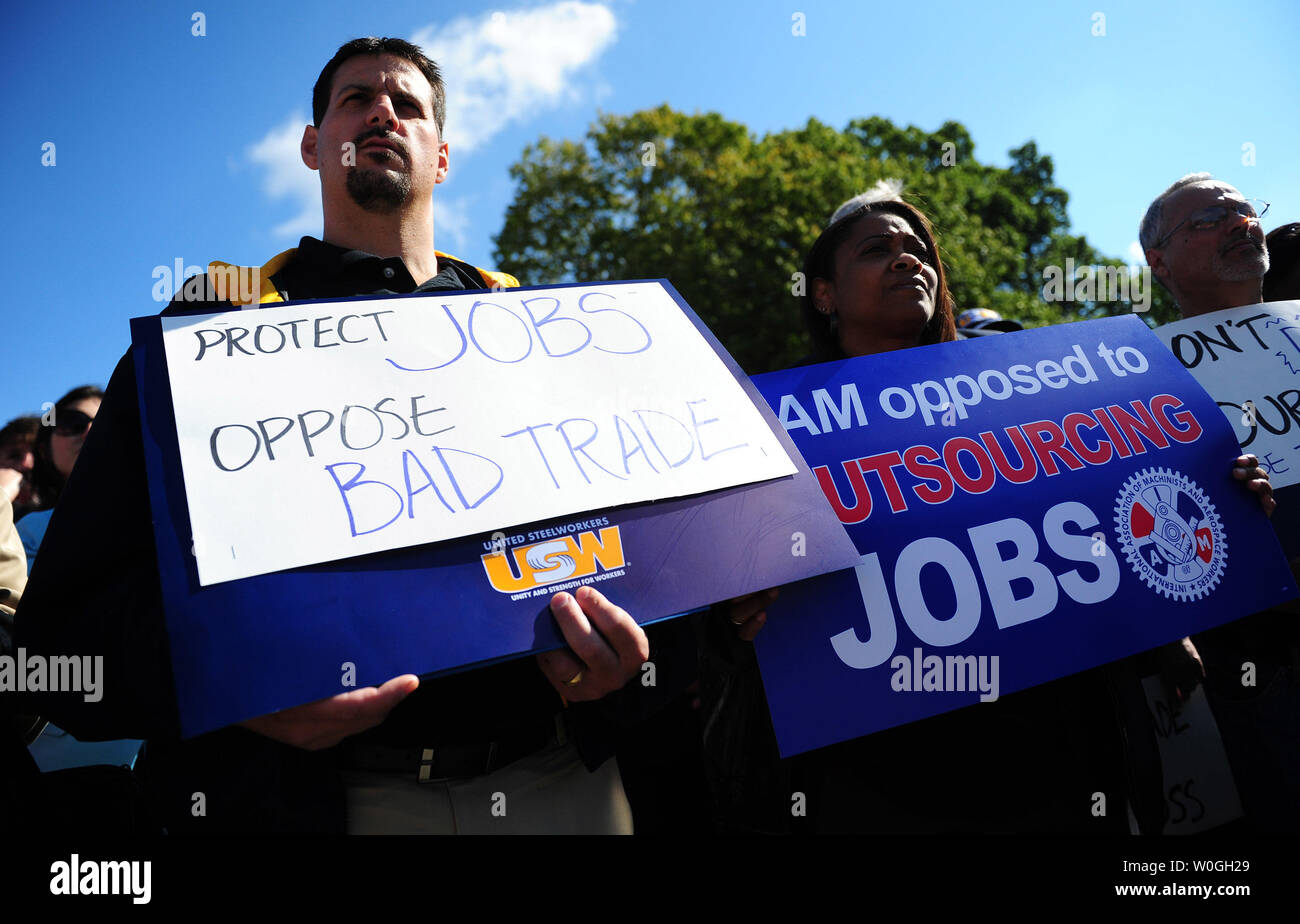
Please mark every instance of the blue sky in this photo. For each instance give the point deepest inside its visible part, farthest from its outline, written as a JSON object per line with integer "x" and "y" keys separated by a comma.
{"x": 169, "y": 145}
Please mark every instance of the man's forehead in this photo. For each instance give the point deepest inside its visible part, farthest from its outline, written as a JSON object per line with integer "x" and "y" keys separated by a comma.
{"x": 1206, "y": 192}
{"x": 373, "y": 70}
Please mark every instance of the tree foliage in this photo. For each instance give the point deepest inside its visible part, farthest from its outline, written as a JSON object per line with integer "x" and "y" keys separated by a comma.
{"x": 728, "y": 217}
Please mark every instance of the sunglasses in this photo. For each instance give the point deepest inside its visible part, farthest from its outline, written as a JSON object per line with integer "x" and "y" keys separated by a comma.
{"x": 72, "y": 423}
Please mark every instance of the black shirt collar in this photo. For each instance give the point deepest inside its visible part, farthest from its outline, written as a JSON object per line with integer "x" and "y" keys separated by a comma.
{"x": 324, "y": 270}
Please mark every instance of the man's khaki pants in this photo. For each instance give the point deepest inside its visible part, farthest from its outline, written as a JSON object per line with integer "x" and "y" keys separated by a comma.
{"x": 549, "y": 792}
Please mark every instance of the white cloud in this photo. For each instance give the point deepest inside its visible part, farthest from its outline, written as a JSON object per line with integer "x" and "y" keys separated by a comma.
{"x": 287, "y": 177}
{"x": 451, "y": 222}
{"x": 505, "y": 66}
{"x": 1136, "y": 255}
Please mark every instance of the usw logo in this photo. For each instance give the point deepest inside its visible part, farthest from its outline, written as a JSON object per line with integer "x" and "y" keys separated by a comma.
{"x": 527, "y": 566}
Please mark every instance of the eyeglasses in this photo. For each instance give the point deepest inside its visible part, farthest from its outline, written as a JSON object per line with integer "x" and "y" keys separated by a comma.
{"x": 1214, "y": 215}
{"x": 72, "y": 423}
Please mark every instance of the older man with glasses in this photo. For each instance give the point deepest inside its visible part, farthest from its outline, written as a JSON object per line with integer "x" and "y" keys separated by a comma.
{"x": 1204, "y": 243}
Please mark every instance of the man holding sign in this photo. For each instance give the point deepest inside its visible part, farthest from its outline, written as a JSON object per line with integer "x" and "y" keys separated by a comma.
{"x": 1204, "y": 243}
{"x": 376, "y": 141}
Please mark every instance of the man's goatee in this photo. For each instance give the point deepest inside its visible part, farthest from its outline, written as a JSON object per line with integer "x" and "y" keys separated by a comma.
{"x": 378, "y": 190}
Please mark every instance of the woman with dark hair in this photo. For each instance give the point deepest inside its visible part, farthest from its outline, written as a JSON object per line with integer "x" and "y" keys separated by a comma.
{"x": 877, "y": 283}
{"x": 58, "y": 443}
{"x": 17, "y": 459}
{"x": 1032, "y": 761}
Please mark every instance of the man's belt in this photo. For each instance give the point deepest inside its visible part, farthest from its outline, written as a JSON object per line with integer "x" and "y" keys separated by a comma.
{"x": 455, "y": 762}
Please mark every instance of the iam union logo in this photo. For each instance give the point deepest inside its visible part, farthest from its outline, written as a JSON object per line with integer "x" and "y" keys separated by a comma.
{"x": 541, "y": 564}
{"x": 1171, "y": 533}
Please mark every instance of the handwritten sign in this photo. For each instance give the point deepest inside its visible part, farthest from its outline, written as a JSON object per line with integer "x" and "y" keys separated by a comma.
{"x": 1199, "y": 790}
{"x": 246, "y": 647}
{"x": 361, "y": 426}
{"x": 1026, "y": 506}
{"x": 1248, "y": 359}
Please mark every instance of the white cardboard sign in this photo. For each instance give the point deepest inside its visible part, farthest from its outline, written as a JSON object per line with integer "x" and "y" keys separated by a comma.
{"x": 1199, "y": 789}
{"x": 1248, "y": 359}
{"x": 310, "y": 433}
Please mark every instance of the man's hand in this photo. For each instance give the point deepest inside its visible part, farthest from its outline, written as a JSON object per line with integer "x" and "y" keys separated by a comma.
{"x": 326, "y": 722}
{"x": 1247, "y": 468}
{"x": 607, "y": 647}
{"x": 749, "y": 613}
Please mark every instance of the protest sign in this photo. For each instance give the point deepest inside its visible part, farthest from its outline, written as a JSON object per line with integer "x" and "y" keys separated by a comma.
{"x": 1248, "y": 359}
{"x": 1200, "y": 793}
{"x": 252, "y": 645}
{"x": 382, "y": 424}
{"x": 1027, "y": 506}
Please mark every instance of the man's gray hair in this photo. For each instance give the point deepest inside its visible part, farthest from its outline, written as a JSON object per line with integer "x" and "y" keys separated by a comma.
{"x": 1149, "y": 230}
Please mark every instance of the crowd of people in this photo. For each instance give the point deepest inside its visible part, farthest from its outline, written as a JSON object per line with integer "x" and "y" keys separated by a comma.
{"x": 568, "y": 737}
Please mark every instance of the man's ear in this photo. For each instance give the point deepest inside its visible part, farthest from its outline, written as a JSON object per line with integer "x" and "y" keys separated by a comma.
{"x": 1160, "y": 271}
{"x": 308, "y": 148}
{"x": 444, "y": 163}
{"x": 1159, "y": 268}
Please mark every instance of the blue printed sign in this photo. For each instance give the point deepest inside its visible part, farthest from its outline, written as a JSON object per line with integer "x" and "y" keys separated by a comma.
{"x": 358, "y": 578}
{"x": 1026, "y": 506}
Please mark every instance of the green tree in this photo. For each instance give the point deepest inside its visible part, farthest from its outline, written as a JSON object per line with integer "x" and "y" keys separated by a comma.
{"x": 727, "y": 217}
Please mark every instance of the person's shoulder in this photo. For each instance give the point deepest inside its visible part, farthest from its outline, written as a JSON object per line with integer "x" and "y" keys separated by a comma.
{"x": 31, "y": 528}
{"x": 196, "y": 295}
{"x": 228, "y": 286}
{"x": 496, "y": 277}
{"x": 491, "y": 278}
{"x": 34, "y": 520}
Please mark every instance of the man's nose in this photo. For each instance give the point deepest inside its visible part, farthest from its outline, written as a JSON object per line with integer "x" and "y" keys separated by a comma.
{"x": 29, "y": 461}
{"x": 1239, "y": 218}
{"x": 382, "y": 112}
{"x": 906, "y": 261}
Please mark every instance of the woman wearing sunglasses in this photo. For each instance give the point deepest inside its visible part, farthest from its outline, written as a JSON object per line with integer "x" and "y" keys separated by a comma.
{"x": 57, "y": 446}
